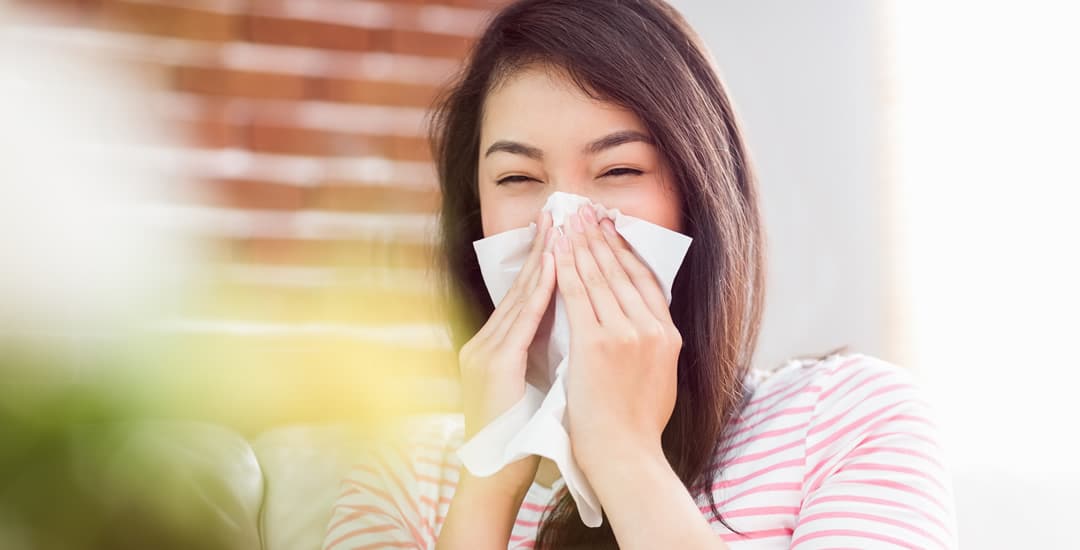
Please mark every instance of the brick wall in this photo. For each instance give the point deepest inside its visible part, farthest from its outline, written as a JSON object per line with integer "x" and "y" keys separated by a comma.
{"x": 302, "y": 127}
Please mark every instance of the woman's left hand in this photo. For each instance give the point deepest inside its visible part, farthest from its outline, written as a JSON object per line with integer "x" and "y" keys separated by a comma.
{"x": 624, "y": 349}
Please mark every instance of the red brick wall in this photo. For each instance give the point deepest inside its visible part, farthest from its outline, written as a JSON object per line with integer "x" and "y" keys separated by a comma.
{"x": 303, "y": 133}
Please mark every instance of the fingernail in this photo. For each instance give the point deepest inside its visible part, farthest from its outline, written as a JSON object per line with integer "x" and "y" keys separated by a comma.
{"x": 561, "y": 244}
{"x": 575, "y": 222}
{"x": 609, "y": 227}
{"x": 589, "y": 213}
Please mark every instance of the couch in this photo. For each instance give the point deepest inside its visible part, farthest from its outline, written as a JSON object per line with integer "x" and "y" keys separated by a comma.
{"x": 272, "y": 492}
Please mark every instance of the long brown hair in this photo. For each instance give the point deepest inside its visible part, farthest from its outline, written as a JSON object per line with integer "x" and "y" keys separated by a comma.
{"x": 641, "y": 55}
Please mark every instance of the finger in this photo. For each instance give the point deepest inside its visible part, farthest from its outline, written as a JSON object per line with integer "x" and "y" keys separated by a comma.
{"x": 607, "y": 308}
{"x": 527, "y": 295}
{"x": 622, "y": 287}
{"x": 524, "y": 277}
{"x": 524, "y": 326}
{"x": 579, "y": 309}
{"x": 543, "y": 224}
{"x": 526, "y": 281}
{"x": 641, "y": 275}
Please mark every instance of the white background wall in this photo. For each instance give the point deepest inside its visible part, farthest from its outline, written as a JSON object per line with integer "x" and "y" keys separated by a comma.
{"x": 806, "y": 78}
{"x": 920, "y": 168}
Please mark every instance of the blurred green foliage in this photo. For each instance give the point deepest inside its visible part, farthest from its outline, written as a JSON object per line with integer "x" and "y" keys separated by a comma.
{"x": 76, "y": 473}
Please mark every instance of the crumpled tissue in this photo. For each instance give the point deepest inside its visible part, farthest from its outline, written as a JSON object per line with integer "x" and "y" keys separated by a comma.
{"x": 537, "y": 424}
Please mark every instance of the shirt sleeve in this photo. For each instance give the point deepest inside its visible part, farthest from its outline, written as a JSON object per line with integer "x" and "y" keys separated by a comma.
{"x": 875, "y": 469}
{"x": 391, "y": 495}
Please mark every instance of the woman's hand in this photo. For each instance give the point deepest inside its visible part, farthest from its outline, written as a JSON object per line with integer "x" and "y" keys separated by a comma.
{"x": 624, "y": 348}
{"x": 493, "y": 362}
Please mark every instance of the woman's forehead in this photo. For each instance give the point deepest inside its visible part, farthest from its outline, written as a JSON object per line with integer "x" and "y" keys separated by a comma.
{"x": 547, "y": 105}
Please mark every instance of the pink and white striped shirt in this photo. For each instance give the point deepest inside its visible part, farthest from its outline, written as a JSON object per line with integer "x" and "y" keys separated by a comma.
{"x": 835, "y": 453}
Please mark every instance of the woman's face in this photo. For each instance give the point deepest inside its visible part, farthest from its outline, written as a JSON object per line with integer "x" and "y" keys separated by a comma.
{"x": 541, "y": 134}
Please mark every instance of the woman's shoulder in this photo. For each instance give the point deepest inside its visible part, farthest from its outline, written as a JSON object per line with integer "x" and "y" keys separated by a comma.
{"x": 819, "y": 411}
{"x": 405, "y": 474}
{"x": 846, "y": 428}
{"x": 823, "y": 382}
{"x": 435, "y": 432}
{"x": 415, "y": 453}
{"x": 837, "y": 403}
{"x": 422, "y": 440}
{"x": 836, "y": 398}
{"x": 846, "y": 380}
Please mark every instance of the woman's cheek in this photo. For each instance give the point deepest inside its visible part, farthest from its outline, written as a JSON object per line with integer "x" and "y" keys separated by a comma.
{"x": 505, "y": 213}
{"x": 651, "y": 205}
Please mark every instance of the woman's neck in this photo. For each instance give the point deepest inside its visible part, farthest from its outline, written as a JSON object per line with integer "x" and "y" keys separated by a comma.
{"x": 547, "y": 473}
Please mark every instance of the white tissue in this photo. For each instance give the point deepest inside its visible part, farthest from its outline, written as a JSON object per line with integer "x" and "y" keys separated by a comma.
{"x": 536, "y": 425}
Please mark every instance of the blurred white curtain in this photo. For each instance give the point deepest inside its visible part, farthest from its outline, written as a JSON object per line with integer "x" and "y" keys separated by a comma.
{"x": 986, "y": 142}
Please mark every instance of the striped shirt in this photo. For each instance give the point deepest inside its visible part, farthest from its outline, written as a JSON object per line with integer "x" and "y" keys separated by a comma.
{"x": 841, "y": 452}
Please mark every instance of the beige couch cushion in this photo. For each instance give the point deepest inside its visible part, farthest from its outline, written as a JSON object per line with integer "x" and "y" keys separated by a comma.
{"x": 303, "y": 467}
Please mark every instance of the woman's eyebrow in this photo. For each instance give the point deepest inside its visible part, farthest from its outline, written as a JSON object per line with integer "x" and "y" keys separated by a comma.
{"x": 613, "y": 139}
{"x": 516, "y": 148}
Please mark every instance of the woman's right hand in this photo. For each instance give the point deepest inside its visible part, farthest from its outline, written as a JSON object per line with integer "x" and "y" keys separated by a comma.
{"x": 493, "y": 362}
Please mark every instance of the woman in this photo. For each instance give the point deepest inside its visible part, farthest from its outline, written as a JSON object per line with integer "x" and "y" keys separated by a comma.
{"x": 685, "y": 445}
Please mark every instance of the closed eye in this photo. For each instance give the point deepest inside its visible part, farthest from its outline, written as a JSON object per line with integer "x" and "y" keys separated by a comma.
{"x": 613, "y": 173}
{"x": 622, "y": 172}
{"x": 513, "y": 179}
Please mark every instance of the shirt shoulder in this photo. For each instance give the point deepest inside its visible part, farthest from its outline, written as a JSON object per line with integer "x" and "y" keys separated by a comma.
{"x": 857, "y": 394}
{"x": 400, "y": 486}
{"x": 823, "y": 383}
{"x": 841, "y": 451}
{"x": 875, "y": 469}
{"x": 839, "y": 399}
{"x": 398, "y": 494}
